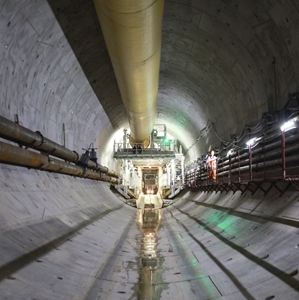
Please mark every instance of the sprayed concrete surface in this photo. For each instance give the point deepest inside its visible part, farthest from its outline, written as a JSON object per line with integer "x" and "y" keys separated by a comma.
{"x": 67, "y": 238}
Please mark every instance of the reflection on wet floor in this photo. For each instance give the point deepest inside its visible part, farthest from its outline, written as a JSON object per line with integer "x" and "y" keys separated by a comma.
{"x": 150, "y": 262}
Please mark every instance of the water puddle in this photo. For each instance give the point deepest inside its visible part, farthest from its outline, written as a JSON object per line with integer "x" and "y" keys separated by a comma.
{"x": 150, "y": 261}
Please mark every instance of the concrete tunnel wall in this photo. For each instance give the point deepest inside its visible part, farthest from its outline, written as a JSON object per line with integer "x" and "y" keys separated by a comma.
{"x": 69, "y": 238}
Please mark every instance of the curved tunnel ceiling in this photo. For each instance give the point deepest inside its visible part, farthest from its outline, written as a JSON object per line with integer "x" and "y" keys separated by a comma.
{"x": 217, "y": 63}
{"x": 60, "y": 236}
{"x": 222, "y": 61}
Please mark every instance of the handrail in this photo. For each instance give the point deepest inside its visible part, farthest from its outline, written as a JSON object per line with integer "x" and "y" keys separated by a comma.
{"x": 275, "y": 158}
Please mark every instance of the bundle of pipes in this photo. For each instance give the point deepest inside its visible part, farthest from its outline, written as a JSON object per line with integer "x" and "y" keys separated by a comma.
{"x": 265, "y": 157}
{"x": 10, "y": 154}
{"x": 266, "y": 161}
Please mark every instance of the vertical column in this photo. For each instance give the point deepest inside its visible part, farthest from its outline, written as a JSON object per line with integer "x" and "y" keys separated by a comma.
{"x": 125, "y": 139}
{"x": 230, "y": 169}
{"x": 183, "y": 170}
{"x": 283, "y": 154}
{"x": 125, "y": 173}
{"x": 250, "y": 163}
{"x": 169, "y": 174}
{"x": 173, "y": 172}
{"x": 239, "y": 170}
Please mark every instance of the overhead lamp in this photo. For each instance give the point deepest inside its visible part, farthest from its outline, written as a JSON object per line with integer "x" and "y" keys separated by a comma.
{"x": 289, "y": 125}
{"x": 251, "y": 142}
{"x": 230, "y": 152}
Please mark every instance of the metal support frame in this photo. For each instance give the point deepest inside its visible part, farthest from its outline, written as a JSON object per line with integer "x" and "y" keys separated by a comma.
{"x": 252, "y": 187}
{"x": 283, "y": 154}
{"x": 261, "y": 167}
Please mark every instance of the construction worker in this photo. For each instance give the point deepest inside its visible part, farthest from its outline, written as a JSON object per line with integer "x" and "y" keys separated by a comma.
{"x": 211, "y": 166}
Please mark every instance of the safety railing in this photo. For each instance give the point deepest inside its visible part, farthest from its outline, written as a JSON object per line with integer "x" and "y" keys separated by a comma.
{"x": 125, "y": 150}
{"x": 273, "y": 157}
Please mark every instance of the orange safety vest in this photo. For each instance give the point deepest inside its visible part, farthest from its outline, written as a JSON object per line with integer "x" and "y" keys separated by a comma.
{"x": 211, "y": 162}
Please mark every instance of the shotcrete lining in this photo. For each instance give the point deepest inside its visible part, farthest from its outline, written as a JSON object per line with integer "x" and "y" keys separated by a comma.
{"x": 52, "y": 79}
{"x": 68, "y": 238}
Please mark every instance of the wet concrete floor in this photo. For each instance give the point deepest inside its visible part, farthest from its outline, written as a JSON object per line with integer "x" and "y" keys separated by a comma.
{"x": 205, "y": 246}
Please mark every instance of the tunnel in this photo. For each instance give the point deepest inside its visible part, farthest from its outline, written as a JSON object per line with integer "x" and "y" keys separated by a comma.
{"x": 228, "y": 68}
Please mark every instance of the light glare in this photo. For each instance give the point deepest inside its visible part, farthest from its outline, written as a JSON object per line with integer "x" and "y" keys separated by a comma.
{"x": 288, "y": 125}
{"x": 251, "y": 142}
{"x": 230, "y": 152}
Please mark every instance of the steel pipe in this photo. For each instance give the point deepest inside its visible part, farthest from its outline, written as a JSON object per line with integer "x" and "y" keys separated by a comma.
{"x": 259, "y": 167}
{"x": 132, "y": 32}
{"x": 14, "y": 132}
{"x": 17, "y": 156}
{"x": 102, "y": 169}
{"x": 10, "y": 154}
{"x": 258, "y": 160}
{"x": 276, "y": 158}
{"x": 59, "y": 166}
{"x": 264, "y": 148}
{"x": 268, "y": 166}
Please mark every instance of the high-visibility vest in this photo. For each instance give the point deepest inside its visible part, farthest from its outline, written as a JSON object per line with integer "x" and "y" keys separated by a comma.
{"x": 211, "y": 162}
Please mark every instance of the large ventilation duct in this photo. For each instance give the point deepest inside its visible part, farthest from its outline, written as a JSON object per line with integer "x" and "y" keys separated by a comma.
{"x": 132, "y": 32}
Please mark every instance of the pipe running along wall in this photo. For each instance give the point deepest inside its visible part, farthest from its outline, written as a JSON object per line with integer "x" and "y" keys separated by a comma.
{"x": 266, "y": 161}
{"x": 13, "y": 155}
{"x": 132, "y": 32}
{"x": 10, "y": 154}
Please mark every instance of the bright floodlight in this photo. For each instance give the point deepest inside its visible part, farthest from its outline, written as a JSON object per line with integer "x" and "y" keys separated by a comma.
{"x": 288, "y": 125}
{"x": 251, "y": 142}
{"x": 230, "y": 152}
